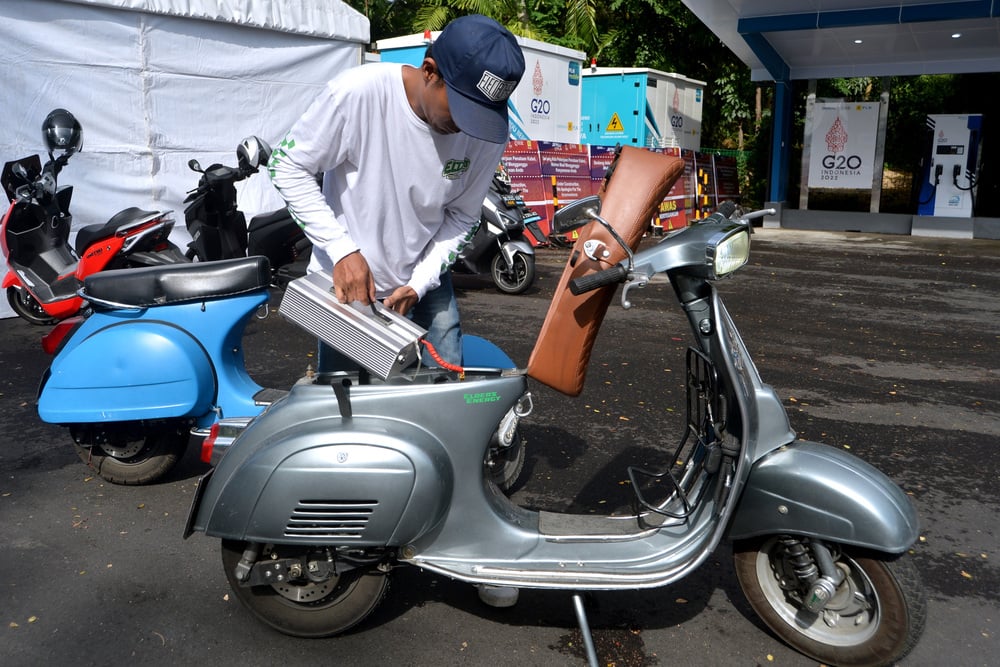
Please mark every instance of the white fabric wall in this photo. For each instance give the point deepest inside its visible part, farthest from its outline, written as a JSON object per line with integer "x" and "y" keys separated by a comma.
{"x": 152, "y": 91}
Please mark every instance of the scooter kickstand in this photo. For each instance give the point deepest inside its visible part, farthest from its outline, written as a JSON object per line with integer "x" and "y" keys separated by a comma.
{"x": 588, "y": 640}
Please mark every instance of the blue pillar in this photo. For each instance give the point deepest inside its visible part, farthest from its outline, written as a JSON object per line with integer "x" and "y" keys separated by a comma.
{"x": 781, "y": 141}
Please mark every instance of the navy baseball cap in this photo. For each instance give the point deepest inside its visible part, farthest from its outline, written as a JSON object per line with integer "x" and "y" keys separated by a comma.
{"x": 481, "y": 64}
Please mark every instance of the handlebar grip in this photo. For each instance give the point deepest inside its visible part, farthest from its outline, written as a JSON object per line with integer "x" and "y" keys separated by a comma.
{"x": 588, "y": 283}
{"x": 726, "y": 208}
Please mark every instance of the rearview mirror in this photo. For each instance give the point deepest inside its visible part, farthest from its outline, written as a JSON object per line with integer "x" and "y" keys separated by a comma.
{"x": 576, "y": 214}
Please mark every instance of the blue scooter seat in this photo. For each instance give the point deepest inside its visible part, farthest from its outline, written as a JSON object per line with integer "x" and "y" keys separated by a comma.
{"x": 176, "y": 283}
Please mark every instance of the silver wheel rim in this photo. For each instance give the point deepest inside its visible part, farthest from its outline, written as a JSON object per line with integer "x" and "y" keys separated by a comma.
{"x": 851, "y": 617}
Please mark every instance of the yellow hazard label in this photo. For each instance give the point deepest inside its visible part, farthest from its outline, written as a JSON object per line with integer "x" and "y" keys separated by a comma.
{"x": 615, "y": 124}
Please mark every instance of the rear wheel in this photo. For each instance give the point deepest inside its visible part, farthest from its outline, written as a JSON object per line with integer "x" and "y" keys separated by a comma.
{"x": 27, "y": 307}
{"x": 307, "y": 605}
{"x": 130, "y": 455}
{"x": 516, "y": 278}
{"x": 875, "y": 616}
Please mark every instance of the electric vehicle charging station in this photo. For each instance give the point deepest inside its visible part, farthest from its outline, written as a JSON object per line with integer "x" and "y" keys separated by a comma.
{"x": 951, "y": 171}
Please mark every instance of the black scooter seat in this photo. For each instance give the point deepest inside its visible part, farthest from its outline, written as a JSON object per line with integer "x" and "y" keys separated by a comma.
{"x": 176, "y": 283}
{"x": 90, "y": 234}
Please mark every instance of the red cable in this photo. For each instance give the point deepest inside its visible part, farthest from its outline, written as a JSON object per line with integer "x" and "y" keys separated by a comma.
{"x": 441, "y": 362}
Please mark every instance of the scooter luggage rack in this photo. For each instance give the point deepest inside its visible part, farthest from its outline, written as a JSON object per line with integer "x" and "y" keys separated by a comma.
{"x": 706, "y": 415}
{"x": 379, "y": 339}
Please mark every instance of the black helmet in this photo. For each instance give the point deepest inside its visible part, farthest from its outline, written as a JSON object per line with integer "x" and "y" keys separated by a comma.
{"x": 62, "y": 132}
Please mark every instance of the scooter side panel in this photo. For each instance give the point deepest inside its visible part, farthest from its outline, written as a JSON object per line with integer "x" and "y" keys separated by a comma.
{"x": 363, "y": 481}
{"x": 138, "y": 370}
{"x": 812, "y": 489}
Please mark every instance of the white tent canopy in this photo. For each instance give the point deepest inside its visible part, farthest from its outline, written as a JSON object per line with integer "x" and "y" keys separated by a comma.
{"x": 155, "y": 83}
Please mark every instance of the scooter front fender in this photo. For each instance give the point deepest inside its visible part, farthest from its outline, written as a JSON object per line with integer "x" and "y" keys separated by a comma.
{"x": 145, "y": 370}
{"x": 807, "y": 488}
{"x": 514, "y": 246}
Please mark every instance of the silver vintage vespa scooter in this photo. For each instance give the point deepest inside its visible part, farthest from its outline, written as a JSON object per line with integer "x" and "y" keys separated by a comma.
{"x": 343, "y": 480}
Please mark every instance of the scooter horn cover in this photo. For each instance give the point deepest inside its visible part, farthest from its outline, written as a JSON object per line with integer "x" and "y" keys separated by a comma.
{"x": 638, "y": 181}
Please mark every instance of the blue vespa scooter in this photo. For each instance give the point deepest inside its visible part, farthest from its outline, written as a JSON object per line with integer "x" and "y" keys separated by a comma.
{"x": 160, "y": 360}
{"x": 160, "y": 355}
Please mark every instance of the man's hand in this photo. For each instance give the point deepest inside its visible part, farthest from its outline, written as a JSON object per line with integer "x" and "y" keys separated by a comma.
{"x": 401, "y": 300}
{"x": 352, "y": 280}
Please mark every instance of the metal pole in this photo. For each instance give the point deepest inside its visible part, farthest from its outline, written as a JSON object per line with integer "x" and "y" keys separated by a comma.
{"x": 588, "y": 641}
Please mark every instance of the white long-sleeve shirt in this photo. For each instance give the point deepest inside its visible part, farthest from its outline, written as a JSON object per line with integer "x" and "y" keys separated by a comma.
{"x": 407, "y": 197}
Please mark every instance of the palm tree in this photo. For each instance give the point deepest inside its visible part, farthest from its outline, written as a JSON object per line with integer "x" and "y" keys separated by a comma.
{"x": 578, "y": 25}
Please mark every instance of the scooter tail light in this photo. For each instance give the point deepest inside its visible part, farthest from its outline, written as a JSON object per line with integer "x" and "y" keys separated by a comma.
{"x": 221, "y": 435}
{"x": 53, "y": 340}
{"x": 208, "y": 444}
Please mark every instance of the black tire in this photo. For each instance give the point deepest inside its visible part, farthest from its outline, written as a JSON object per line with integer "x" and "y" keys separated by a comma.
{"x": 875, "y": 617}
{"x": 27, "y": 307}
{"x": 513, "y": 280}
{"x": 137, "y": 461}
{"x": 504, "y": 464}
{"x": 310, "y": 609}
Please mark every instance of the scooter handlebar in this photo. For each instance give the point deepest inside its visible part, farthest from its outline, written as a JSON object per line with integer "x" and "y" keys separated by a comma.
{"x": 616, "y": 274}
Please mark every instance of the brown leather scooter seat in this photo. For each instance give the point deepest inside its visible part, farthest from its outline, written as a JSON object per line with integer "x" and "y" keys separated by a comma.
{"x": 638, "y": 180}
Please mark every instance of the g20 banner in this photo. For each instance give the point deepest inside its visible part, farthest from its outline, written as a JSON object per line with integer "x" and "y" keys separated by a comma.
{"x": 842, "y": 153}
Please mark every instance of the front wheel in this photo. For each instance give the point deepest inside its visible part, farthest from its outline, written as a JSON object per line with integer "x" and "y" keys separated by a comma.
{"x": 516, "y": 278}
{"x": 131, "y": 455}
{"x": 27, "y": 307}
{"x": 875, "y": 616}
{"x": 314, "y": 600}
{"x": 504, "y": 464}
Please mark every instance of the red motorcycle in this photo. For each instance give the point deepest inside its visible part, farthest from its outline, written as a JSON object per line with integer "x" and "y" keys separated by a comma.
{"x": 44, "y": 271}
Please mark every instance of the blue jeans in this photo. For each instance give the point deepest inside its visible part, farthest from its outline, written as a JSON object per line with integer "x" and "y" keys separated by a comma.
{"x": 437, "y": 312}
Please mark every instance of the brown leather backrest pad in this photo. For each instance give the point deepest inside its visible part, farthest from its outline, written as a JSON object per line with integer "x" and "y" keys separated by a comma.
{"x": 640, "y": 180}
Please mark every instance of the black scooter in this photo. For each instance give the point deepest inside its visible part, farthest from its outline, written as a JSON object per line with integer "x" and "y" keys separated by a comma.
{"x": 500, "y": 246}
{"x": 219, "y": 230}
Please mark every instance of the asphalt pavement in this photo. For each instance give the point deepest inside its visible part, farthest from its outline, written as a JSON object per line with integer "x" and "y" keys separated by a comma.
{"x": 883, "y": 345}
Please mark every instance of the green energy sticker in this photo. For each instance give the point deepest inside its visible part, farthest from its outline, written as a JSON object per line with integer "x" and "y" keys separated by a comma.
{"x": 482, "y": 397}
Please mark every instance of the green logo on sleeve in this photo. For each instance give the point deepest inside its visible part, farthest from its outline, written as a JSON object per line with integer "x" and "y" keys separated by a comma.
{"x": 286, "y": 144}
{"x": 455, "y": 168}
